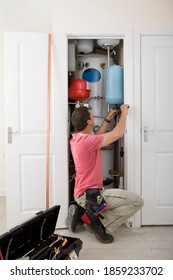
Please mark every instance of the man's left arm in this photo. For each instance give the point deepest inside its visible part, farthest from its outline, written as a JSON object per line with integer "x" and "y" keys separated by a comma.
{"x": 106, "y": 121}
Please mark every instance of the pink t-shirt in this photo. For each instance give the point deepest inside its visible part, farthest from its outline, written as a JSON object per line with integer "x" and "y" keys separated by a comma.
{"x": 85, "y": 149}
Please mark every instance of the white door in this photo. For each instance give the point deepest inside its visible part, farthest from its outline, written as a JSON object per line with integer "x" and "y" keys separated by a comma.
{"x": 157, "y": 126}
{"x": 25, "y": 109}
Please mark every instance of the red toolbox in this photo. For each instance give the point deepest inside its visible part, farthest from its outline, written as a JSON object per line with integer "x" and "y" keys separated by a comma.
{"x": 36, "y": 239}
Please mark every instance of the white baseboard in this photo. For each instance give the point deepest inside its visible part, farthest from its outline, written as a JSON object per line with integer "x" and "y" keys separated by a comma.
{"x": 2, "y": 192}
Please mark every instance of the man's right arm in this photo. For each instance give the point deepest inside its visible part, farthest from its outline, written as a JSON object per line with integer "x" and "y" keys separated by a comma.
{"x": 118, "y": 130}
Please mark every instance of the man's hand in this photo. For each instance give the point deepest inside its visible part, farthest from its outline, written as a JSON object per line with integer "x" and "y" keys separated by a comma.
{"x": 124, "y": 108}
{"x": 111, "y": 114}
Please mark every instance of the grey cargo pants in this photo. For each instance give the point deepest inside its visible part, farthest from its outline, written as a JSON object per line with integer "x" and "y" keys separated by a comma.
{"x": 122, "y": 205}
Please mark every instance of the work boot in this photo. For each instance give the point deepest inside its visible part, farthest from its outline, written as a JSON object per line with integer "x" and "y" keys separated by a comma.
{"x": 73, "y": 219}
{"x": 99, "y": 231}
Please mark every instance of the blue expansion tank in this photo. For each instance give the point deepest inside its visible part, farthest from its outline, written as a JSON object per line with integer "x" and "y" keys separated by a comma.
{"x": 115, "y": 85}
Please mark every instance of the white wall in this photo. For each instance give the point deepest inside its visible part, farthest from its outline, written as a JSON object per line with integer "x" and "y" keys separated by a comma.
{"x": 113, "y": 13}
{"x": 27, "y": 15}
{"x": 19, "y": 15}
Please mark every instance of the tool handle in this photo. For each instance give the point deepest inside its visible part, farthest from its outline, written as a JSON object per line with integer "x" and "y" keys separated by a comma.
{"x": 117, "y": 107}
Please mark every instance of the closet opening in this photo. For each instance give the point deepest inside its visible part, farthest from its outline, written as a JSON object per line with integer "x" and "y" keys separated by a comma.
{"x": 96, "y": 80}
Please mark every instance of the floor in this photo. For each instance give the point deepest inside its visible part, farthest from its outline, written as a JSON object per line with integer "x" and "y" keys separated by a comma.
{"x": 145, "y": 243}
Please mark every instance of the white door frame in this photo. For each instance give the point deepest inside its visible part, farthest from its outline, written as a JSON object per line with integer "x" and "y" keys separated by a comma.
{"x": 138, "y": 109}
{"x": 60, "y": 45}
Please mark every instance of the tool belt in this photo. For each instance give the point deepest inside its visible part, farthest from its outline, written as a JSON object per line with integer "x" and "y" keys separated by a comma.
{"x": 94, "y": 206}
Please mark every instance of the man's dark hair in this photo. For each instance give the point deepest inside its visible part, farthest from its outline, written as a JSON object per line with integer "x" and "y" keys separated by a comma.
{"x": 79, "y": 118}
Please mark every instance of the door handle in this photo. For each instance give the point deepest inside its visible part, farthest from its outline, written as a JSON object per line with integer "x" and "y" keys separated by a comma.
{"x": 146, "y": 131}
{"x": 10, "y": 134}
